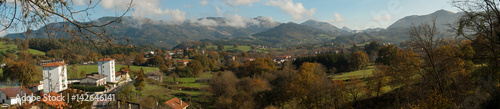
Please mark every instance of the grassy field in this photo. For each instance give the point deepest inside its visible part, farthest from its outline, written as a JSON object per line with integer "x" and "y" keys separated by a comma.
{"x": 242, "y": 48}
{"x": 360, "y": 73}
{"x": 93, "y": 68}
{"x": 89, "y": 69}
{"x": 4, "y": 46}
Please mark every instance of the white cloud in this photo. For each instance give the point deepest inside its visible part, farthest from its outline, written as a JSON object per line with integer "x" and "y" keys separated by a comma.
{"x": 338, "y": 17}
{"x": 383, "y": 17}
{"x": 240, "y": 2}
{"x": 145, "y": 8}
{"x": 236, "y": 21}
{"x": 120, "y": 4}
{"x": 204, "y": 22}
{"x": 79, "y": 2}
{"x": 240, "y": 22}
{"x": 203, "y": 2}
{"x": 219, "y": 11}
{"x": 179, "y": 16}
{"x": 296, "y": 10}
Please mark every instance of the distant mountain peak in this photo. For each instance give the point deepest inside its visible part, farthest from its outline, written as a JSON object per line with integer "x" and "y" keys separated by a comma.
{"x": 325, "y": 26}
{"x": 442, "y": 12}
{"x": 346, "y": 29}
{"x": 442, "y": 17}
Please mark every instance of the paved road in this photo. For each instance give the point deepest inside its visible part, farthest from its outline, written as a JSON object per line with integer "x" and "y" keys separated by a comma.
{"x": 105, "y": 104}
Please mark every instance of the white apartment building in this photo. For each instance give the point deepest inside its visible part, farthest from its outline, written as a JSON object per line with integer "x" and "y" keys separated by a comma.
{"x": 55, "y": 77}
{"x": 106, "y": 66}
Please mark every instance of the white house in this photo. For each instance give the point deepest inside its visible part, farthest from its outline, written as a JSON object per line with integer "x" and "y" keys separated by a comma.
{"x": 94, "y": 79}
{"x": 55, "y": 77}
{"x": 9, "y": 95}
{"x": 106, "y": 66}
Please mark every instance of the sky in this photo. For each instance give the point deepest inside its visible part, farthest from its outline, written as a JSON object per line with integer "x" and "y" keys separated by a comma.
{"x": 354, "y": 14}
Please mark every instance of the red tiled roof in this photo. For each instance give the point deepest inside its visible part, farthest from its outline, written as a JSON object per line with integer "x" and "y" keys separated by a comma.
{"x": 176, "y": 103}
{"x": 121, "y": 72}
{"x": 54, "y": 64}
{"x": 184, "y": 61}
{"x": 54, "y": 103}
{"x": 106, "y": 59}
{"x": 36, "y": 85}
{"x": 14, "y": 91}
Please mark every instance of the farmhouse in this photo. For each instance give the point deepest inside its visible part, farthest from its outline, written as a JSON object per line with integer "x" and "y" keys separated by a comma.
{"x": 156, "y": 76}
{"x": 247, "y": 60}
{"x": 106, "y": 66}
{"x": 185, "y": 62}
{"x": 8, "y": 95}
{"x": 122, "y": 75}
{"x": 94, "y": 79}
{"x": 176, "y": 103}
{"x": 55, "y": 77}
{"x": 44, "y": 62}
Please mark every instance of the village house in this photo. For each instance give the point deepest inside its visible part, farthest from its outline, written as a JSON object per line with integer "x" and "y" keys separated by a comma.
{"x": 167, "y": 57}
{"x": 230, "y": 57}
{"x": 37, "y": 87}
{"x": 185, "y": 62}
{"x": 176, "y": 103}
{"x": 8, "y": 95}
{"x": 106, "y": 66}
{"x": 281, "y": 59}
{"x": 94, "y": 79}
{"x": 158, "y": 76}
{"x": 43, "y": 62}
{"x": 171, "y": 53}
{"x": 122, "y": 75}
{"x": 247, "y": 60}
{"x": 55, "y": 77}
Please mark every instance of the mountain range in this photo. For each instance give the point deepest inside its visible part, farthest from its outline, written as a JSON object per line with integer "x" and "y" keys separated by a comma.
{"x": 259, "y": 30}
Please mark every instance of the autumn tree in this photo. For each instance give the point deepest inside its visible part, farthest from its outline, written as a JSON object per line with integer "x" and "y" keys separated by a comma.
{"x": 359, "y": 60}
{"x": 156, "y": 60}
{"x": 223, "y": 87}
{"x": 139, "y": 59}
{"x": 74, "y": 67}
{"x": 140, "y": 80}
{"x": 404, "y": 66}
{"x": 378, "y": 80}
{"x": 356, "y": 89}
{"x": 94, "y": 57}
{"x": 220, "y": 47}
{"x": 244, "y": 54}
{"x": 300, "y": 85}
{"x": 205, "y": 62}
{"x": 259, "y": 66}
{"x": 441, "y": 62}
{"x": 386, "y": 54}
{"x": 83, "y": 74}
{"x": 164, "y": 68}
{"x": 22, "y": 71}
{"x": 196, "y": 66}
{"x": 159, "y": 52}
{"x": 213, "y": 55}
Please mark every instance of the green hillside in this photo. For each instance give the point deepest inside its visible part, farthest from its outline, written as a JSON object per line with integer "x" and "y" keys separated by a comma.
{"x": 4, "y": 47}
{"x": 293, "y": 34}
{"x": 242, "y": 48}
